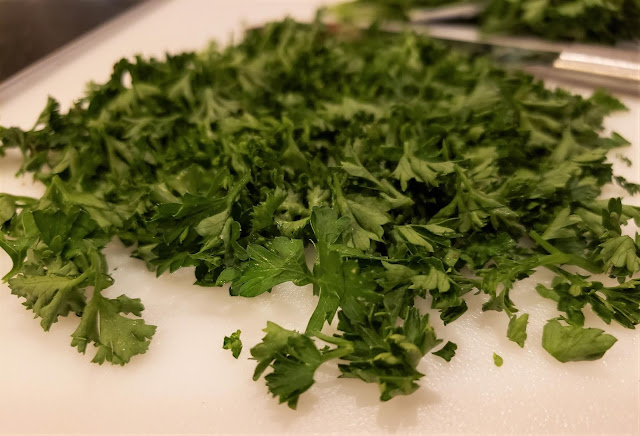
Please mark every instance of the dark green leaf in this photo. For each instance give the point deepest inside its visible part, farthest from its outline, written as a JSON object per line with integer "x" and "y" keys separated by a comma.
{"x": 447, "y": 352}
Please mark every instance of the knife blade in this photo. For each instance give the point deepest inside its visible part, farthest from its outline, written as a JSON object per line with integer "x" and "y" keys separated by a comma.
{"x": 614, "y": 68}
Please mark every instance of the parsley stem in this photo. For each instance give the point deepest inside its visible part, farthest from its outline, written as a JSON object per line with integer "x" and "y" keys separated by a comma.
{"x": 542, "y": 243}
{"x": 558, "y": 257}
{"x": 345, "y": 347}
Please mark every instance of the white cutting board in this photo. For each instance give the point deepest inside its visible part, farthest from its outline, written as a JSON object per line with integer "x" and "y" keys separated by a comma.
{"x": 186, "y": 383}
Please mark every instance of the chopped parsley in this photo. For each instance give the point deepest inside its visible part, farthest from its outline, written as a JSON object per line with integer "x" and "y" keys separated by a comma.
{"x": 414, "y": 171}
{"x": 233, "y": 343}
{"x": 497, "y": 360}
{"x": 447, "y": 352}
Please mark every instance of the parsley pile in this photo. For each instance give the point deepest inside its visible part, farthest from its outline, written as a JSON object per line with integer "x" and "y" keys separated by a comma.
{"x": 415, "y": 172}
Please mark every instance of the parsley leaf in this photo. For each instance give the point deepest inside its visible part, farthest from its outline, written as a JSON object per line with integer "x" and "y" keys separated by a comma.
{"x": 294, "y": 359}
{"x": 497, "y": 360}
{"x": 574, "y": 343}
{"x": 281, "y": 260}
{"x": 517, "y": 330}
{"x": 447, "y": 352}
{"x": 233, "y": 343}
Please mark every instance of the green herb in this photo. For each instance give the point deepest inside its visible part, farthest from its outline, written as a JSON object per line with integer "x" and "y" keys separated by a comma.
{"x": 233, "y": 343}
{"x": 413, "y": 171}
{"x": 294, "y": 358}
{"x": 447, "y": 352}
{"x": 497, "y": 360}
{"x": 517, "y": 330}
{"x": 573, "y": 343}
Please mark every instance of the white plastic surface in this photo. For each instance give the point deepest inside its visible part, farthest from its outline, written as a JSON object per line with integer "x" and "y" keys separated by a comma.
{"x": 186, "y": 383}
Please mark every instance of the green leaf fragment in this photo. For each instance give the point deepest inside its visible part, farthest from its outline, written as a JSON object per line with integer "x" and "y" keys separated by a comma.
{"x": 572, "y": 343}
{"x": 497, "y": 360}
{"x": 117, "y": 338}
{"x": 447, "y": 352}
{"x": 50, "y": 295}
{"x": 233, "y": 343}
{"x": 517, "y": 330}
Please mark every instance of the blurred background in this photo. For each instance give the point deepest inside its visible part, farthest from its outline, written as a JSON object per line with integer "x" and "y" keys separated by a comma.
{"x": 31, "y": 29}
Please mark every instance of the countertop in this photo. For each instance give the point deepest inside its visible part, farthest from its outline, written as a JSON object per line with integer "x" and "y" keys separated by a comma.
{"x": 31, "y": 29}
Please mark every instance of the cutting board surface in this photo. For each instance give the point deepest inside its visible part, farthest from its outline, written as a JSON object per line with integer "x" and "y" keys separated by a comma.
{"x": 187, "y": 383}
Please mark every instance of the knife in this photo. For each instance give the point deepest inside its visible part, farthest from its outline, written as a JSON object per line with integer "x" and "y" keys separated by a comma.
{"x": 616, "y": 68}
